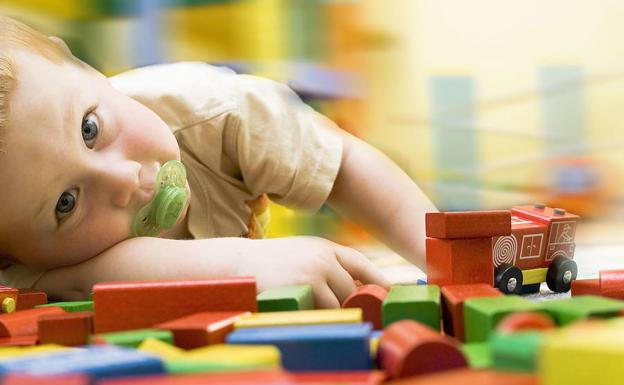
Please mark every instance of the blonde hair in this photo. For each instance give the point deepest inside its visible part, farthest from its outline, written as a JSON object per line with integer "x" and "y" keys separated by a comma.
{"x": 18, "y": 36}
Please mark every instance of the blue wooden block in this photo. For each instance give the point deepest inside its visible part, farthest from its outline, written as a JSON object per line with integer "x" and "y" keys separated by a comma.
{"x": 96, "y": 361}
{"x": 314, "y": 347}
{"x": 421, "y": 281}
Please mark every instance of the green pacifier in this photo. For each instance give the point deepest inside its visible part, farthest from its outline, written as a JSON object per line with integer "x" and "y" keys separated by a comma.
{"x": 169, "y": 200}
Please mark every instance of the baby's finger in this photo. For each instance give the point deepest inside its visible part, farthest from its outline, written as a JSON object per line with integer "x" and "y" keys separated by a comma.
{"x": 340, "y": 282}
{"x": 360, "y": 267}
{"x": 324, "y": 298}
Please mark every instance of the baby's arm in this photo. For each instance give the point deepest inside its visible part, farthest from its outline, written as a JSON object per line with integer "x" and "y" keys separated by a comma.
{"x": 375, "y": 192}
{"x": 327, "y": 266}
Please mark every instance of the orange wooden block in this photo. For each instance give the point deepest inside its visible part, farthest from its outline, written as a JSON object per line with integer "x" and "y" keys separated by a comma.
{"x": 453, "y": 297}
{"x": 586, "y": 287}
{"x": 19, "y": 341}
{"x": 69, "y": 329}
{"x": 374, "y": 377}
{"x": 459, "y": 261}
{"x": 470, "y": 377}
{"x": 409, "y": 348}
{"x": 29, "y": 298}
{"x": 368, "y": 298}
{"x": 202, "y": 329}
{"x": 65, "y": 379}
{"x": 468, "y": 224}
{"x": 135, "y": 305}
{"x": 612, "y": 283}
{"x": 24, "y": 322}
{"x": 525, "y": 321}
{"x": 267, "y": 377}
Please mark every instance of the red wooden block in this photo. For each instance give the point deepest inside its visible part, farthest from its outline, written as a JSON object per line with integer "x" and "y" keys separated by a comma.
{"x": 18, "y": 341}
{"x": 202, "y": 329}
{"x": 374, "y": 377}
{"x": 459, "y": 261}
{"x": 453, "y": 297}
{"x": 25, "y": 379}
{"x": 24, "y": 322}
{"x": 468, "y": 224}
{"x": 524, "y": 321}
{"x": 470, "y": 377}
{"x": 586, "y": 287}
{"x": 269, "y": 377}
{"x": 29, "y": 298}
{"x": 409, "y": 348}
{"x": 612, "y": 283}
{"x": 368, "y": 298}
{"x": 135, "y": 305}
{"x": 69, "y": 329}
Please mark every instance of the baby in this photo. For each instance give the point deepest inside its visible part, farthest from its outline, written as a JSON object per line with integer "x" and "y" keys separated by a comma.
{"x": 80, "y": 154}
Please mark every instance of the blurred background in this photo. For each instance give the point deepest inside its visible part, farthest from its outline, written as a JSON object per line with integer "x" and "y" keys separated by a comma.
{"x": 486, "y": 104}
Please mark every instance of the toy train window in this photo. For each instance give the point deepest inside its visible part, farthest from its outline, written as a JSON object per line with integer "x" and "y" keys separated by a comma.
{"x": 531, "y": 246}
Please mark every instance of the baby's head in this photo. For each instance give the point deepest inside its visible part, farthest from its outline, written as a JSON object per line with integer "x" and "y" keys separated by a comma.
{"x": 78, "y": 159}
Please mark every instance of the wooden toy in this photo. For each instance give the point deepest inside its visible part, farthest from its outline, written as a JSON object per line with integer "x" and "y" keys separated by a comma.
{"x": 409, "y": 348}
{"x": 303, "y": 317}
{"x": 314, "y": 347}
{"x": 482, "y": 315}
{"x": 478, "y": 354}
{"x": 8, "y": 299}
{"x": 369, "y": 298}
{"x": 471, "y": 377}
{"x": 373, "y": 377}
{"x": 565, "y": 311}
{"x": 252, "y": 377}
{"x": 71, "y": 306}
{"x": 586, "y": 287}
{"x": 25, "y": 379}
{"x": 468, "y": 224}
{"x": 222, "y": 357}
{"x": 24, "y": 323}
{"x": 453, "y": 298}
{"x": 70, "y": 329}
{"x": 202, "y": 329}
{"x": 524, "y": 321}
{"x": 417, "y": 302}
{"x": 29, "y": 298}
{"x": 516, "y": 351}
{"x": 135, "y": 305}
{"x": 612, "y": 283}
{"x": 132, "y": 338}
{"x": 459, "y": 261}
{"x": 286, "y": 298}
{"x": 162, "y": 349}
{"x": 18, "y": 341}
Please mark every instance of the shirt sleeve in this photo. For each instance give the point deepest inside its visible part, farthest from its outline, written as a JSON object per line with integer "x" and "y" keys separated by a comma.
{"x": 283, "y": 147}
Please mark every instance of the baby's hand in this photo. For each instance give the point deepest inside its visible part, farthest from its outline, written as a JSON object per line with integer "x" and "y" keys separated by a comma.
{"x": 329, "y": 267}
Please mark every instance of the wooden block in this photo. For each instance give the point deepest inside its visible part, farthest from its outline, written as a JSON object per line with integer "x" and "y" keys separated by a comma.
{"x": 409, "y": 348}
{"x": 25, "y": 379}
{"x": 373, "y": 377}
{"x": 568, "y": 310}
{"x": 416, "y": 302}
{"x": 9, "y": 352}
{"x": 71, "y": 306}
{"x": 29, "y": 298}
{"x": 524, "y": 321}
{"x": 202, "y": 329}
{"x": 19, "y": 341}
{"x": 252, "y": 377}
{"x": 228, "y": 357}
{"x": 369, "y": 298}
{"x": 8, "y": 299}
{"x": 289, "y": 298}
{"x": 69, "y": 329}
{"x": 471, "y": 377}
{"x": 482, "y": 315}
{"x": 585, "y": 287}
{"x": 516, "y": 351}
{"x": 132, "y": 338}
{"x": 453, "y": 297}
{"x": 24, "y": 322}
{"x": 612, "y": 283}
{"x": 136, "y": 305}
{"x": 303, "y": 317}
{"x": 468, "y": 224}
{"x": 314, "y": 347}
{"x": 162, "y": 349}
{"x": 459, "y": 261}
{"x": 478, "y": 354}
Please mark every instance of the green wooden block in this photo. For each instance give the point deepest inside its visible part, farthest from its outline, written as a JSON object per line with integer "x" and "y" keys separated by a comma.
{"x": 516, "y": 351}
{"x": 416, "y": 302}
{"x": 481, "y": 315}
{"x": 72, "y": 306}
{"x": 479, "y": 355}
{"x": 286, "y": 298}
{"x": 133, "y": 338}
{"x": 184, "y": 365}
{"x": 565, "y": 311}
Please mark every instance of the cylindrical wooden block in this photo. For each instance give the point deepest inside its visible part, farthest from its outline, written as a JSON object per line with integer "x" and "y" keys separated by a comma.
{"x": 368, "y": 298}
{"x": 525, "y": 321}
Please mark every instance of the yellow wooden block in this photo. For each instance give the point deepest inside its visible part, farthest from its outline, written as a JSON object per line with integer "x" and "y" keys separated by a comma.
{"x": 585, "y": 354}
{"x": 161, "y": 349}
{"x": 534, "y": 276}
{"x": 301, "y": 317}
{"x": 17, "y": 351}
{"x": 374, "y": 345}
{"x": 266, "y": 356}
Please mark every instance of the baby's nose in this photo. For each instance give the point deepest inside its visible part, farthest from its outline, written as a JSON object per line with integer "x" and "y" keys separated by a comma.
{"x": 121, "y": 179}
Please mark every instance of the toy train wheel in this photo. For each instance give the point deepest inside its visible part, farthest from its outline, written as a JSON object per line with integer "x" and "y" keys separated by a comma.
{"x": 561, "y": 273}
{"x": 508, "y": 279}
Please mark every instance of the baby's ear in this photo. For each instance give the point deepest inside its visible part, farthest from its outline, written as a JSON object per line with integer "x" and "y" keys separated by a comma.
{"x": 61, "y": 43}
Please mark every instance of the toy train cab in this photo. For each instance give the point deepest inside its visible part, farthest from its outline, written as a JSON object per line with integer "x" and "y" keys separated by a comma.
{"x": 540, "y": 248}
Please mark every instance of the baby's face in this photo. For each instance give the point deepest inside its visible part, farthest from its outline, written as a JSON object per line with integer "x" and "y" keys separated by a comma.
{"x": 80, "y": 160}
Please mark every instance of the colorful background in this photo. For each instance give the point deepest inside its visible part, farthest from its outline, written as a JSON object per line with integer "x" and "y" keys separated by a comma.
{"x": 484, "y": 103}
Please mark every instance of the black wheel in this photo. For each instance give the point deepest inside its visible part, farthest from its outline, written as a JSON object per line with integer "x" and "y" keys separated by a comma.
{"x": 561, "y": 273}
{"x": 508, "y": 279}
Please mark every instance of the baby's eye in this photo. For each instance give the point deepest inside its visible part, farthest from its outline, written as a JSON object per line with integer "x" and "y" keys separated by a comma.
{"x": 66, "y": 203}
{"x": 90, "y": 128}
